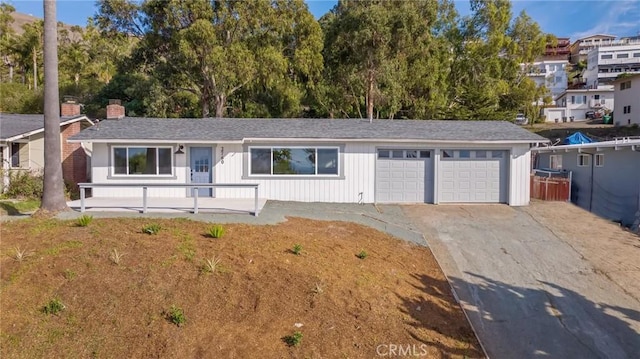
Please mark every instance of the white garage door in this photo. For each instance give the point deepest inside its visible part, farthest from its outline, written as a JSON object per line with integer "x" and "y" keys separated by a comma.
{"x": 404, "y": 176}
{"x": 473, "y": 176}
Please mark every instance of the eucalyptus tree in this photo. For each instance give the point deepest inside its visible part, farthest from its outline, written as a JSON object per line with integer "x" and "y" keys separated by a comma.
{"x": 216, "y": 49}
{"x": 389, "y": 58}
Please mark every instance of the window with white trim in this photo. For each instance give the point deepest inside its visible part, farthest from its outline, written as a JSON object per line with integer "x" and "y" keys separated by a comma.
{"x": 15, "y": 154}
{"x": 294, "y": 161}
{"x": 599, "y": 160}
{"x": 555, "y": 162}
{"x": 584, "y": 160}
{"x": 142, "y": 161}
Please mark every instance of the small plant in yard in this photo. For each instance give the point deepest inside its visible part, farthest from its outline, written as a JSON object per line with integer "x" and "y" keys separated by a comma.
{"x": 68, "y": 274}
{"x": 317, "y": 289}
{"x": 293, "y": 340}
{"x": 152, "y": 228}
{"x": 211, "y": 265}
{"x": 20, "y": 254}
{"x": 297, "y": 249}
{"x": 115, "y": 256}
{"x": 216, "y": 231}
{"x": 84, "y": 220}
{"x": 176, "y": 316}
{"x": 54, "y": 306}
{"x": 362, "y": 254}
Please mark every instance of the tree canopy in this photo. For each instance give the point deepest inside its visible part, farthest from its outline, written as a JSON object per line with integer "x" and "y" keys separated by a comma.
{"x": 271, "y": 58}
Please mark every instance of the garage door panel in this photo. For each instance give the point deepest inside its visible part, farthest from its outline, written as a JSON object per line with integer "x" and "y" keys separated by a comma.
{"x": 473, "y": 179}
{"x": 404, "y": 180}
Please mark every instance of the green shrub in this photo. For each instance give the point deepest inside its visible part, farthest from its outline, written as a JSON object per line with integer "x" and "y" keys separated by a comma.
{"x": 84, "y": 220}
{"x": 293, "y": 340}
{"x": 216, "y": 231}
{"x": 54, "y": 306}
{"x": 152, "y": 228}
{"x": 297, "y": 249}
{"x": 362, "y": 254}
{"x": 176, "y": 316}
{"x": 25, "y": 184}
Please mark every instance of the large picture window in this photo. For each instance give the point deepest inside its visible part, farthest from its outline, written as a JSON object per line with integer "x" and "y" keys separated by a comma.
{"x": 294, "y": 161}
{"x": 142, "y": 161}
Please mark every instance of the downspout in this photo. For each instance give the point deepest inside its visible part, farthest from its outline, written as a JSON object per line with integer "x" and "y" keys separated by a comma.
{"x": 591, "y": 181}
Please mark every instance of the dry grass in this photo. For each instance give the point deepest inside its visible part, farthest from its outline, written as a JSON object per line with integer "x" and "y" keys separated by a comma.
{"x": 342, "y": 305}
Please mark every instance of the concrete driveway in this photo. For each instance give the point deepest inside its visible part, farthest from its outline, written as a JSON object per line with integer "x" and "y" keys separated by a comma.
{"x": 548, "y": 280}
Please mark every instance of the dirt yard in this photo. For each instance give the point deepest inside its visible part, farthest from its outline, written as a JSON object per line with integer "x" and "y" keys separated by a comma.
{"x": 259, "y": 293}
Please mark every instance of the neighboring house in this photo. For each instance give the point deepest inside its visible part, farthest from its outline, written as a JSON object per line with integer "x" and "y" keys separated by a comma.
{"x": 576, "y": 103}
{"x": 605, "y": 176}
{"x": 581, "y": 47}
{"x": 316, "y": 160}
{"x": 22, "y": 144}
{"x": 549, "y": 73}
{"x": 606, "y": 62}
{"x": 627, "y": 106}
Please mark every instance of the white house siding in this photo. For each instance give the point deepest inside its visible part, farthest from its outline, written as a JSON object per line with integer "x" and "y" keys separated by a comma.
{"x": 357, "y": 177}
{"x": 100, "y": 174}
{"x": 519, "y": 170}
{"x": 614, "y": 192}
{"x": 355, "y": 184}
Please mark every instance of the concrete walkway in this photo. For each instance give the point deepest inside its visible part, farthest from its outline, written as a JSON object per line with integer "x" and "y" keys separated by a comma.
{"x": 527, "y": 290}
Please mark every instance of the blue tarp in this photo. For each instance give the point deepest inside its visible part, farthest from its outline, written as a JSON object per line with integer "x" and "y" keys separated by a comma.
{"x": 576, "y": 139}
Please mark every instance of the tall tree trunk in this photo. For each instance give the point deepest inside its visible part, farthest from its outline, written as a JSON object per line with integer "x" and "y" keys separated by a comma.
{"x": 221, "y": 104}
{"x": 35, "y": 68}
{"x": 370, "y": 95}
{"x": 53, "y": 194}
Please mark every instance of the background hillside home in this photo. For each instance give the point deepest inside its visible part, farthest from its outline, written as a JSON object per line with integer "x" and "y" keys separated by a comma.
{"x": 315, "y": 160}
{"x": 22, "y": 144}
{"x": 581, "y": 47}
{"x": 549, "y": 73}
{"x": 577, "y": 102}
{"x": 606, "y": 62}
{"x": 627, "y": 105}
{"x": 605, "y": 176}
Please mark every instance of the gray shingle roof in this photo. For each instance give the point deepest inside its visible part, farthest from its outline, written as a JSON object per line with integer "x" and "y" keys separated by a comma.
{"x": 12, "y": 125}
{"x": 211, "y": 130}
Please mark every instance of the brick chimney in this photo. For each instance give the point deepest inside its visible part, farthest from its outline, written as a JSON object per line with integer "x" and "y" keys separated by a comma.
{"x": 69, "y": 108}
{"x": 115, "y": 110}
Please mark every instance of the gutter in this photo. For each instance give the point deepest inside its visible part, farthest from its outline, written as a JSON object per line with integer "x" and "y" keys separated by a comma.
{"x": 293, "y": 139}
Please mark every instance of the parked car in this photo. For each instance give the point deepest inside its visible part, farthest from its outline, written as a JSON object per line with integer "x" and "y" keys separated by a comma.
{"x": 521, "y": 119}
{"x": 590, "y": 115}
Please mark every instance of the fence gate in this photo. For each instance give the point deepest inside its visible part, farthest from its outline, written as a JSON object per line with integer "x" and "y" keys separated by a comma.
{"x": 551, "y": 186}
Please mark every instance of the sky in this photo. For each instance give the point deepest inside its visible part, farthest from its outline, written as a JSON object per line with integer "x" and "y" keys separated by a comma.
{"x": 563, "y": 18}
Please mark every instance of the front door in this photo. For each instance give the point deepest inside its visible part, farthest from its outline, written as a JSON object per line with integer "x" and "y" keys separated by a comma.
{"x": 201, "y": 169}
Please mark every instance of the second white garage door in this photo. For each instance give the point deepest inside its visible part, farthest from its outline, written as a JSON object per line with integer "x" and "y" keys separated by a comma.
{"x": 404, "y": 176}
{"x": 473, "y": 176}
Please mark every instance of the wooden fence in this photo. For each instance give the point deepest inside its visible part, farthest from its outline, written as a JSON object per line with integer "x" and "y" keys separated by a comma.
{"x": 549, "y": 188}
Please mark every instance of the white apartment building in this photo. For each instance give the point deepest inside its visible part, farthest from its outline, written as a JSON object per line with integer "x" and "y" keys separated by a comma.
{"x": 606, "y": 62}
{"x": 549, "y": 73}
{"x": 627, "y": 106}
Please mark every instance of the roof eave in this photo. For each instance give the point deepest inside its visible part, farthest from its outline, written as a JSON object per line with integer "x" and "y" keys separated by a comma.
{"x": 39, "y": 130}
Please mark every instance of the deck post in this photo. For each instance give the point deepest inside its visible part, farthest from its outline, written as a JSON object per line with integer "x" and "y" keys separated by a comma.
{"x": 82, "y": 189}
{"x": 255, "y": 213}
{"x": 195, "y": 200}
{"x": 144, "y": 199}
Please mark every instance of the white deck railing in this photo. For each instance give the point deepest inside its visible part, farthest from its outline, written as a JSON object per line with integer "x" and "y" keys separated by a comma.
{"x": 145, "y": 187}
